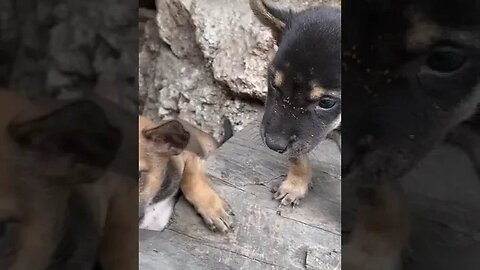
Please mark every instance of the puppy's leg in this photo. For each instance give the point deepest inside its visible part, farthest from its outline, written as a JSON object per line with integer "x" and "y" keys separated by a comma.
{"x": 381, "y": 231}
{"x": 197, "y": 190}
{"x": 119, "y": 247}
{"x": 295, "y": 186}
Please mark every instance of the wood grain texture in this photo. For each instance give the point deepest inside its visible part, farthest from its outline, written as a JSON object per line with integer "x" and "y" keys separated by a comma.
{"x": 442, "y": 194}
{"x": 266, "y": 236}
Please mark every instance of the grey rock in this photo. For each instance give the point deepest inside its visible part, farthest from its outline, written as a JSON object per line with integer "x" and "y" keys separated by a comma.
{"x": 69, "y": 49}
{"x": 205, "y": 59}
{"x": 172, "y": 86}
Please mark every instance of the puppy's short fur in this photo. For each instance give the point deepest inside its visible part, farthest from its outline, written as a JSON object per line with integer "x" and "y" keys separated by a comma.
{"x": 63, "y": 205}
{"x": 303, "y": 104}
{"x": 170, "y": 158}
{"x": 412, "y": 72}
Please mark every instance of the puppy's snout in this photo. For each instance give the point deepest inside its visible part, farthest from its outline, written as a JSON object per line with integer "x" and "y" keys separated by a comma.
{"x": 277, "y": 143}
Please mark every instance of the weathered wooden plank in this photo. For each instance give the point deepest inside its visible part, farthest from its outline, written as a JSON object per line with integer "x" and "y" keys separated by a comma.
{"x": 444, "y": 210}
{"x": 323, "y": 259}
{"x": 442, "y": 193}
{"x": 266, "y": 235}
{"x": 171, "y": 250}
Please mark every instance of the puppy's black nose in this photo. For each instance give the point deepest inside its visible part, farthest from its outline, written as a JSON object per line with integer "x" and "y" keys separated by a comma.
{"x": 276, "y": 143}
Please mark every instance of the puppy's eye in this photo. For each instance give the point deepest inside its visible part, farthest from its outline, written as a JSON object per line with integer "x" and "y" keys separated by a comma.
{"x": 445, "y": 59}
{"x": 9, "y": 231}
{"x": 326, "y": 103}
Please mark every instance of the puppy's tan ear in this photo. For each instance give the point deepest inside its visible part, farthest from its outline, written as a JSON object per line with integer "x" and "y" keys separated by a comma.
{"x": 169, "y": 138}
{"x": 75, "y": 143}
{"x": 272, "y": 17}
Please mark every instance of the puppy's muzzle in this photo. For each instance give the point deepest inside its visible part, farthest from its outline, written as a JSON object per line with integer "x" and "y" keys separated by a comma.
{"x": 279, "y": 143}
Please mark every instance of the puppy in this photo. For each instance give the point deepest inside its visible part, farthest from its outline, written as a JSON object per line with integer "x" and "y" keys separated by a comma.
{"x": 170, "y": 158}
{"x": 303, "y": 104}
{"x": 64, "y": 201}
{"x": 412, "y": 72}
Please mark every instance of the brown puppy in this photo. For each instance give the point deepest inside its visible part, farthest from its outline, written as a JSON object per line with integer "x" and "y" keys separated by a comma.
{"x": 62, "y": 204}
{"x": 170, "y": 158}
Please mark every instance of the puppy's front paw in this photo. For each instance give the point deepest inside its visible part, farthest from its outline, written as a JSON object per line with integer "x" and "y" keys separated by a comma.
{"x": 216, "y": 213}
{"x": 291, "y": 191}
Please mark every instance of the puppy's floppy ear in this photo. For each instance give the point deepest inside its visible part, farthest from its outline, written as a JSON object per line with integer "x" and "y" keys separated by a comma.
{"x": 169, "y": 138}
{"x": 272, "y": 17}
{"x": 76, "y": 141}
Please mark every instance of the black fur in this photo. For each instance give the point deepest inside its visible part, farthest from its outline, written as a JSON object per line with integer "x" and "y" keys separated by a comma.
{"x": 170, "y": 186}
{"x": 309, "y": 52}
{"x": 404, "y": 93}
{"x": 171, "y": 183}
{"x": 149, "y": 4}
{"x": 398, "y": 104}
{"x": 227, "y": 130}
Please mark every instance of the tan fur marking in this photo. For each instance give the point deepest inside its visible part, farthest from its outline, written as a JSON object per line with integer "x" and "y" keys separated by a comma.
{"x": 317, "y": 91}
{"x": 201, "y": 143}
{"x": 422, "y": 34}
{"x": 278, "y": 78}
{"x": 152, "y": 184}
{"x": 295, "y": 186}
{"x": 196, "y": 187}
{"x": 300, "y": 167}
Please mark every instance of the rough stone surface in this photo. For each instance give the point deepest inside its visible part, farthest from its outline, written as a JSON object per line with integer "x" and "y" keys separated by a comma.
{"x": 67, "y": 49}
{"x": 199, "y": 59}
{"x": 205, "y": 59}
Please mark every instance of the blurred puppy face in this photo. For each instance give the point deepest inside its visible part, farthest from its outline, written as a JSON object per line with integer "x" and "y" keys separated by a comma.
{"x": 410, "y": 79}
{"x": 44, "y": 223}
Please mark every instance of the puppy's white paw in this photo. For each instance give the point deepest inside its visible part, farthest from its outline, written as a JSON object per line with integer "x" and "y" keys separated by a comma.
{"x": 158, "y": 215}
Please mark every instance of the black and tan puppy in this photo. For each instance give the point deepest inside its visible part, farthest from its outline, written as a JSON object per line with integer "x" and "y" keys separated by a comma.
{"x": 170, "y": 158}
{"x": 303, "y": 104}
{"x": 63, "y": 205}
{"x": 412, "y": 74}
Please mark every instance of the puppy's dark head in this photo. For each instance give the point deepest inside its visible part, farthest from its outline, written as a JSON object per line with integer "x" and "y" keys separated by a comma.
{"x": 304, "y": 99}
{"x": 412, "y": 72}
